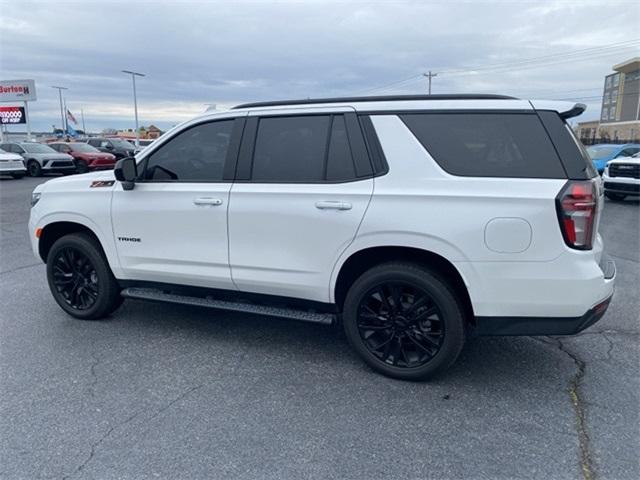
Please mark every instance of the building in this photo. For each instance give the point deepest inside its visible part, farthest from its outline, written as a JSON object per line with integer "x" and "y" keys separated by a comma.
{"x": 620, "y": 113}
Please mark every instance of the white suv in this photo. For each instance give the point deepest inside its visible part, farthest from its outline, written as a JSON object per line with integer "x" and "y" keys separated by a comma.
{"x": 621, "y": 178}
{"x": 415, "y": 221}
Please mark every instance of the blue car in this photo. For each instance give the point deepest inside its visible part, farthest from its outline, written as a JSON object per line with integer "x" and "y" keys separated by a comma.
{"x": 601, "y": 154}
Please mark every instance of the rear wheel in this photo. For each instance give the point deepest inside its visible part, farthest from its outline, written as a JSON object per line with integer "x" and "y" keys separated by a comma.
{"x": 404, "y": 321}
{"x": 34, "y": 168}
{"x": 616, "y": 197}
{"x": 80, "y": 278}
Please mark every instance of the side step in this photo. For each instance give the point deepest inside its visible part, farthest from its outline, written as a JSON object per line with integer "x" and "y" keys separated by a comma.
{"x": 244, "y": 307}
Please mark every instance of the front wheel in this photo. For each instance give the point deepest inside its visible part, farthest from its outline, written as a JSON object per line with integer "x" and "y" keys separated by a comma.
{"x": 82, "y": 167}
{"x": 616, "y": 197}
{"x": 404, "y": 321}
{"x": 80, "y": 278}
{"x": 34, "y": 168}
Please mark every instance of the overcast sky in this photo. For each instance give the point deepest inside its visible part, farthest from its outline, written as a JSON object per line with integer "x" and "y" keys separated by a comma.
{"x": 195, "y": 53}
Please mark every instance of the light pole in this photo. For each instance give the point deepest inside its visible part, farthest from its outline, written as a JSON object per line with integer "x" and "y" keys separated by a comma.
{"x": 135, "y": 101}
{"x": 62, "y": 115}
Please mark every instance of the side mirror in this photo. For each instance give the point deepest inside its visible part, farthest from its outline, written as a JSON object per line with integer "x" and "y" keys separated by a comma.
{"x": 108, "y": 146}
{"x": 126, "y": 171}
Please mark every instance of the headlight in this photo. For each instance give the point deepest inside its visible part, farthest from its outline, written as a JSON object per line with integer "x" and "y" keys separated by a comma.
{"x": 35, "y": 198}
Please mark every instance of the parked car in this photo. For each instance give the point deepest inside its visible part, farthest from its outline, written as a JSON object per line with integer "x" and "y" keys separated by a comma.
{"x": 116, "y": 146}
{"x": 144, "y": 143}
{"x": 12, "y": 164}
{"x": 621, "y": 178}
{"x": 40, "y": 158}
{"x": 483, "y": 220}
{"x": 601, "y": 154}
{"x": 86, "y": 157}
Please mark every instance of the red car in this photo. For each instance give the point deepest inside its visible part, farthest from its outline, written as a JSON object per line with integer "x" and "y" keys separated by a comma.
{"x": 86, "y": 157}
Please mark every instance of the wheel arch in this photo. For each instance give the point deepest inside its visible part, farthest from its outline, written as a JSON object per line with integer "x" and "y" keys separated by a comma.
{"x": 55, "y": 230}
{"x": 362, "y": 260}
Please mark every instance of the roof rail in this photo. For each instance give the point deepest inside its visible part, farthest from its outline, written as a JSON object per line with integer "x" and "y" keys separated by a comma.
{"x": 382, "y": 98}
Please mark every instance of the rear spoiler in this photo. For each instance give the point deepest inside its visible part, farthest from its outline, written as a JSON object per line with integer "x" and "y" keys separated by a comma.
{"x": 564, "y": 109}
{"x": 577, "y": 109}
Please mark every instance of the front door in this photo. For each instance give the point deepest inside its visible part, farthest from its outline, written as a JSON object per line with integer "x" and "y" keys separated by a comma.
{"x": 172, "y": 227}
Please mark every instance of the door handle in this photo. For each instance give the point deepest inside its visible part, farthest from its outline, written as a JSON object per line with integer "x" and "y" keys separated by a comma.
{"x": 207, "y": 201}
{"x": 333, "y": 205}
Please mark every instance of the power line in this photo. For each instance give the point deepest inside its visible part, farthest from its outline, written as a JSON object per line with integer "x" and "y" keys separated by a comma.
{"x": 582, "y": 52}
{"x": 534, "y": 62}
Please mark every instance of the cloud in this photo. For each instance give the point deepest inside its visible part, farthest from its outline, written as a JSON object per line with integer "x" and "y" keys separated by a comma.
{"x": 195, "y": 53}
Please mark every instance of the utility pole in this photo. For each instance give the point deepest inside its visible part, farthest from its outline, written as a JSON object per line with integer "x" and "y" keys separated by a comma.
{"x": 135, "y": 101}
{"x": 84, "y": 129}
{"x": 430, "y": 75}
{"x": 63, "y": 125}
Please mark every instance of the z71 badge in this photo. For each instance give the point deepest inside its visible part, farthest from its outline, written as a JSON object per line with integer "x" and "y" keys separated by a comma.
{"x": 102, "y": 183}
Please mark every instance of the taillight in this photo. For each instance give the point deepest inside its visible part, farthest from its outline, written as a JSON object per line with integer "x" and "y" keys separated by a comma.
{"x": 577, "y": 205}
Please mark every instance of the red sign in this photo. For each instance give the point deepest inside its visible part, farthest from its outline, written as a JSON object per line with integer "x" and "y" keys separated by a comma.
{"x": 12, "y": 115}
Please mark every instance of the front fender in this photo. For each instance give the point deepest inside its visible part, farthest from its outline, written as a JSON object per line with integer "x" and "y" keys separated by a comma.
{"x": 104, "y": 237}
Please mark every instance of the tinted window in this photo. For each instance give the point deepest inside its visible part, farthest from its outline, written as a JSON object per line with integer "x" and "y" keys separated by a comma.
{"x": 339, "y": 158}
{"x": 291, "y": 149}
{"x": 197, "y": 154}
{"x": 94, "y": 143}
{"x": 487, "y": 144}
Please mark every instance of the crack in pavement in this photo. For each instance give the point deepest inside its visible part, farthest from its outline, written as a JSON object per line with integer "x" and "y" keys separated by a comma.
{"x": 587, "y": 464}
{"x": 110, "y": 430}
{"x": 94, "y": 377}
{"x": 20, "y": 268}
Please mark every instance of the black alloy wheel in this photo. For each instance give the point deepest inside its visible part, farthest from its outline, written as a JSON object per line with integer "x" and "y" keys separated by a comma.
{"x": 400, "y": 324}
{"x": 34, "y": 168}
{"x": 404, "y": 320}
{"x": 80, "y": 278}
{"x": 75, "y": 278}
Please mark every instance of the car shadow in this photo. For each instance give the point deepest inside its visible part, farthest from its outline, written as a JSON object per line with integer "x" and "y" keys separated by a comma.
{"x": 483, "y": 362}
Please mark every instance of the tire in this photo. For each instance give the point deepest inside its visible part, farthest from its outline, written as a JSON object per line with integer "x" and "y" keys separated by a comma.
{"x": 80, "y": 279}
{"x": 424, "y": 334}
{"x": 17, "y": 176}
{"x": 34, "y": 168}
{"x": 82, "y": 167}
{"x": 616, "y": 197}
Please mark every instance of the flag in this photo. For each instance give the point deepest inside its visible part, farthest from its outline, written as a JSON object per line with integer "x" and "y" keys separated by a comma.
{"x": 71, "y": 117}
{"x": 71, "y": 131}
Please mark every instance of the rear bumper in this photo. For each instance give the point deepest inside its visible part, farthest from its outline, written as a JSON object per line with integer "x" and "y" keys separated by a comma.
{"x": 487, "y": 326}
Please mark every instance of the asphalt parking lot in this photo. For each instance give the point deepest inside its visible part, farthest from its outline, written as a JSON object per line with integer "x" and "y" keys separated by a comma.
{"x": 162, "y": 391}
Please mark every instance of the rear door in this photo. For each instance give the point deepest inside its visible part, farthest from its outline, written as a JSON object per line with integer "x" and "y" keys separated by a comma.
{"x": 302, "y": 187}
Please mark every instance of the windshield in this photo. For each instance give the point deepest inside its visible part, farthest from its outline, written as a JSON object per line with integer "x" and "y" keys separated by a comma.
{"x": 597, "y": 153}
{"x": 37, "y": 148}
{"x": 121, "y": 143}
{"x": 83, "y": 147}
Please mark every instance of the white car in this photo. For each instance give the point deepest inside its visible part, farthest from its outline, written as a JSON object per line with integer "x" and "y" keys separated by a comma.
{"x": 12, "y": 164}
{"x": 414, "y": 220}
{"x": 621, "y": 178}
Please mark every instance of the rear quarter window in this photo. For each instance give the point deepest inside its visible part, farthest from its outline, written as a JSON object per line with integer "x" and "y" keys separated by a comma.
{"x": 513, "y": 145}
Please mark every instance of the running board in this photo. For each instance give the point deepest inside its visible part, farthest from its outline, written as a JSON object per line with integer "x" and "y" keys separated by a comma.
{"x": 244, "y": 307}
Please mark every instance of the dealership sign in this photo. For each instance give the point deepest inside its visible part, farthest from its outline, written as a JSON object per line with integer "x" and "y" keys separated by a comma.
{"x": 17, "y": 91}
{"x": 12, "y": 115}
